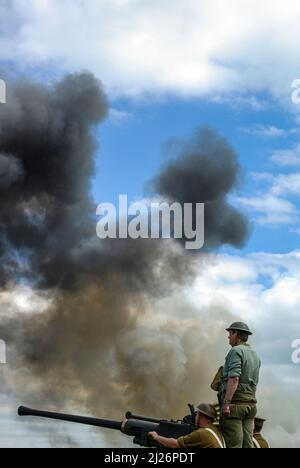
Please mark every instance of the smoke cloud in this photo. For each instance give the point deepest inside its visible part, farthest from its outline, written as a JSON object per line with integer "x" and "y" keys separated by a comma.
{"x": 10, "y": 170}
{"x": 206, "y": 169}
{"x": 102, "y": 342}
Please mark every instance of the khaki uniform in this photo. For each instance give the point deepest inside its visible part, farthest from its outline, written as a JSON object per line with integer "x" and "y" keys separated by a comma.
{"x": 238, "y": 428}
{"x": 260, "y": 442}
{"x": 208, "y": 438}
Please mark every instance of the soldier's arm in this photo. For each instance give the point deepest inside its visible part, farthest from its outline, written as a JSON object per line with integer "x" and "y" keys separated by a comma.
{"x": 235, "y": 364}
{"x": 168, "y": 443}
{"x": 232, "y": 386}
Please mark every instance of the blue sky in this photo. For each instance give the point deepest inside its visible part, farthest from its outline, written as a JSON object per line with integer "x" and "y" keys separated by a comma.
{"x": 132, "y": 151}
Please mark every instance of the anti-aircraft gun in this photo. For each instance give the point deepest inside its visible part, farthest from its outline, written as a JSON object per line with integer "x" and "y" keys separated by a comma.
{"x": 133, "y": 425}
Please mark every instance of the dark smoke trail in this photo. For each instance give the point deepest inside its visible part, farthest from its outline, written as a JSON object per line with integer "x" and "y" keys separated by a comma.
{"x": 95, "y": 345}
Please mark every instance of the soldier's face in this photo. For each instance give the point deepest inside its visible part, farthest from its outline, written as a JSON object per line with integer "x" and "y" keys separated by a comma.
{"x": 198, "y": 419}
{"x": 232, "y": 337}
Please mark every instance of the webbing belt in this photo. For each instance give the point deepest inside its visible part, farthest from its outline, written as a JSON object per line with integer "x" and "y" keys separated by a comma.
{"x": 222, "y": 445}
{"x": 256, "y": 443}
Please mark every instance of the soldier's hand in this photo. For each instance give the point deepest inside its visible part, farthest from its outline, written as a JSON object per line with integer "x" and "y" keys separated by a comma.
{"x": 226, "y": 410}
{"x": 153, "y": 435}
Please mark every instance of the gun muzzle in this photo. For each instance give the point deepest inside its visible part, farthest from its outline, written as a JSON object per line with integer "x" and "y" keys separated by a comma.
{"x": 23, "y": 411}
{"x": 105, "y": 423}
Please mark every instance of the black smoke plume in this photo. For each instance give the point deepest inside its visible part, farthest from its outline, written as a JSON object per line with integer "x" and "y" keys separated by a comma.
{"x": 94, "y": 347}
{"x": 206, "y": 170}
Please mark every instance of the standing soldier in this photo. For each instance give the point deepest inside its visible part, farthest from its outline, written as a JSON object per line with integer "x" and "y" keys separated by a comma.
{"x": 237, "y": 394}
{"x": 259, "y": 441}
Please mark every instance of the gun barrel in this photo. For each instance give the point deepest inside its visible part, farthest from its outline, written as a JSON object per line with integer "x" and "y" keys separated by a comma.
{"x": 130, "y": 415}
{"x": 106, "y": 423}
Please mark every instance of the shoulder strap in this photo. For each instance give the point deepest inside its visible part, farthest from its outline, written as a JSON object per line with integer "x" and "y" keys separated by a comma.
{"x": 222, "y": 444}
{"x": 256, "y": 443}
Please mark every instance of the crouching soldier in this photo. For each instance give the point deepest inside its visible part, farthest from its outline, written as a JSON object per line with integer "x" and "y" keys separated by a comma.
{"x": 207, "y": 436}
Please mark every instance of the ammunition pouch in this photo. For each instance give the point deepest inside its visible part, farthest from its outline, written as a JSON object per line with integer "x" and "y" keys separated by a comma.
{"x": 215, "y": 386}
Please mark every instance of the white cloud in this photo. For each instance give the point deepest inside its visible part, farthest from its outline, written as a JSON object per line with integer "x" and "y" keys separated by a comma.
{"x": 119, "y": 117}
{"x": 238, "y": 281}
{"x": 238, "y": 101}
{"x": 287, "y": 185}
{"x": 287, "y": 157}
{"x": 271, "y": 209}
{"x": 262, "y": 177}
{"x": 275, "y": 201}
{"x": 138, "y": 46}
{"x": 274, "y": 204}
{"x": 271, "y": 131}
{"x": 266, "y": 131}
{"x": 269, "y": 205}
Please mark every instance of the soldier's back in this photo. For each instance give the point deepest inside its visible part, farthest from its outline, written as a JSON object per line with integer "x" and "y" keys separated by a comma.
{"x": 207, "y": 438}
